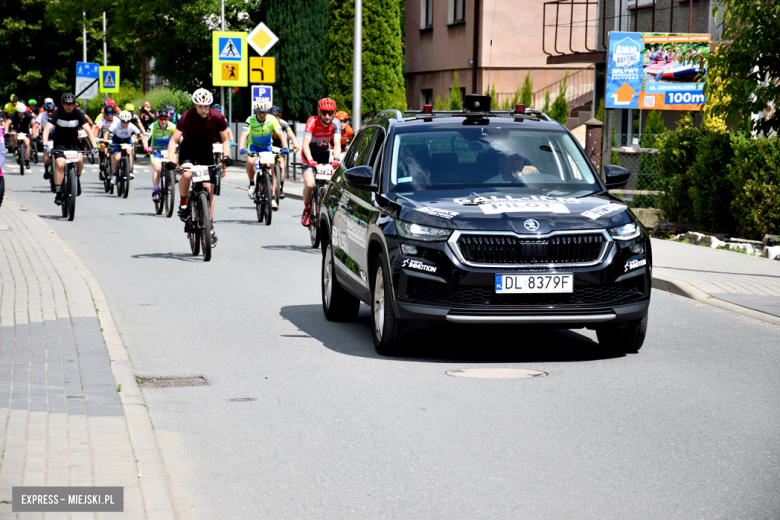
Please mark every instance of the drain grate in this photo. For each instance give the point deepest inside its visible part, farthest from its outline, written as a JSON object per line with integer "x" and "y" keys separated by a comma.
{"x": 165, "y": 382}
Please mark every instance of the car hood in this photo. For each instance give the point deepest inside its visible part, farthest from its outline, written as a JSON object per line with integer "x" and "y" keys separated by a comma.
{"x": 497, "y": 211}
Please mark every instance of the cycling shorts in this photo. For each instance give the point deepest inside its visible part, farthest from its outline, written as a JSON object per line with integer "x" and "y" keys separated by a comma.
{"x": 320, "y": 158}
{"x": 194, "y": 153}
{"x": 60, "y": 148}
{"x": 253, "y": 148}
{"x": 116, "y": 141}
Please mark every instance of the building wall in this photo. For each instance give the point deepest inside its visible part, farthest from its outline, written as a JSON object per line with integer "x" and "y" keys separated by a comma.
{"x": 433, "y": 54}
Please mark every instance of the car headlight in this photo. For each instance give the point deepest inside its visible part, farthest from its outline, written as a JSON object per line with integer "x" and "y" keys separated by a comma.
{"x": 423, "y": 233}
{"x": 625, "y": 232}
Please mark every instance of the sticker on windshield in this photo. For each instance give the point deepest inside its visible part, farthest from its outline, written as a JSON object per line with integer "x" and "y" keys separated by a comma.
{"x": 404, "y": 179}
{"x": 436, "y": 212}
{"x": 600, "y": 211}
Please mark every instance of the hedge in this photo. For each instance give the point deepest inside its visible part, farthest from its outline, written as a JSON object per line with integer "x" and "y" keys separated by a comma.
{"x": 755, "y": 170}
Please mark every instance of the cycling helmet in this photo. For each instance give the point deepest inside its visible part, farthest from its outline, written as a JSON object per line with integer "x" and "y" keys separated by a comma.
{"x": 130, "y": 107}
{"x": 49, "y": 107}
{"x": 341, "y": 115}
{"x": 78, "y": 105}
{"x": 48, "y": 100}
{"x": 125, "y": 116}
{"x": 20, "y": 107}
{"x": 171, "y": 108}
{"x": 163, "y": 113}
{"x": 109, "y": 111}
{"x": 32, "y": 102}
{"x": 14, "y": 98}
{"x": 202, "y": 97}
{"x": 216, "y": 106}
{"x": 261, "y": 106}
{"x": 275, "y": 111}
{"x": 112, "y": 103}
{"x": 68, "y": 98}
{"x": 326, "y": 104}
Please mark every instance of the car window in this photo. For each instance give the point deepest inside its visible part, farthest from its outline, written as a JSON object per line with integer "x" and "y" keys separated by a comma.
{"x": 364, "y": 146}
{"x": 349, "y": 159}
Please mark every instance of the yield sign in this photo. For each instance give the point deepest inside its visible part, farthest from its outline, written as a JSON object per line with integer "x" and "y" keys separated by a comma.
{"x": 262, "y": 39}
{"x": 624, "y": 94}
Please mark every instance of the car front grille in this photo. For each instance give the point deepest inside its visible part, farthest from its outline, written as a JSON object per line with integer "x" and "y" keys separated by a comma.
{"x": 563, "y": 249}
{"x": 474, "y": 295}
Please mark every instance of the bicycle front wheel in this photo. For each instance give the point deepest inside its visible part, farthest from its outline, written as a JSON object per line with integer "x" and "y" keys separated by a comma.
{"x": 21, "y": 150}
{"x": 126, "y": 182}
{"x": 72, "y": 192}
{"x": 34, "y": 152}
{"x": 170, "y": 193}
{"x": 278, "y": 177}
{"x": 205, "y": 222}
{"x": 314, "y": 229}
{"x": 267, "y": 193}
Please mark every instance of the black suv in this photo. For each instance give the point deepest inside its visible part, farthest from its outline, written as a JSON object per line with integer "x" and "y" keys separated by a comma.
{"x": 481, "y": 217}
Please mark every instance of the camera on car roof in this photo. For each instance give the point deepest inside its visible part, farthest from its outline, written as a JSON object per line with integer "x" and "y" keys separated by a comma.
{"x": 475, "y": 103}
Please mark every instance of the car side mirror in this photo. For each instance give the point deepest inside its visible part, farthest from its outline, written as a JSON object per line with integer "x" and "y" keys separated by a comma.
{"x": 616, "y": 176}
{"x": 360, "y": 178}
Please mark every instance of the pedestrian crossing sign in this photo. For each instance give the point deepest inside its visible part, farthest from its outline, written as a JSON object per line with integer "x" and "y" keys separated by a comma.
{"x": 109, "y": 79}
{"x": 230, "y": 60}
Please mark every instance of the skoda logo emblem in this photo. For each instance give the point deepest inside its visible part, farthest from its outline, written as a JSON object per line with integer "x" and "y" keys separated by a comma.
{"x": 531, "y": 225}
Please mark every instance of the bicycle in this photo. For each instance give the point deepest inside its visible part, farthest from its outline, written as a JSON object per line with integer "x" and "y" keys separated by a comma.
{"x": 21, "y": 148}
{"x": 278, "y": 175}
{"x": 198, "y": 223}
{"x": 123, "y": 174}
{"x": 48, "y": 168}
{"x": 217, "y": 149}
{"x": 321, "y": 179}
{"x": 167, "y": 190}
{"x": 70, "y": 183}
{"x": 86, "y": 145}
{"x": 263, "y": 186}
{"x": 34, "y": 149}
{"x": 105, "y": 166}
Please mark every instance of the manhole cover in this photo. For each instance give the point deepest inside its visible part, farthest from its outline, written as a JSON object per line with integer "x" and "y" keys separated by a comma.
{"x": 496, "y": 373}
{"x": 159, "y": 382}
{"x": 242, "y": 399}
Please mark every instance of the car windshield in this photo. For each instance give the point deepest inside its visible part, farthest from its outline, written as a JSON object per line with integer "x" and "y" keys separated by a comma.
{"x": 490, "y": 158}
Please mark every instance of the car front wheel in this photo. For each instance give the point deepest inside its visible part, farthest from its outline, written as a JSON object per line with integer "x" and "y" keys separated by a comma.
{"x": 626, "y": 339}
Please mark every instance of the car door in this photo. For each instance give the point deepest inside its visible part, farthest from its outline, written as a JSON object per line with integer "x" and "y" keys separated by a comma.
{"x": 360, "y": 207}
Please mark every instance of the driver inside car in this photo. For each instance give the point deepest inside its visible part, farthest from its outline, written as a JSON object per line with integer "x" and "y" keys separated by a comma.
{"x": 512, "y": 166}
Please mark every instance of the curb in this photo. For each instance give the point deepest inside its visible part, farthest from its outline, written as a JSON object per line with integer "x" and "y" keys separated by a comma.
{"x": 158, "y": 501}
{"x": 687, "y": 290}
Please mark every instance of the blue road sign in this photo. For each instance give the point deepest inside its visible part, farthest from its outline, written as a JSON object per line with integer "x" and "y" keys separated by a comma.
{"x": 229, "y": 49}
{"x": 262, "y": 92}
{"x": 86, "y": 70}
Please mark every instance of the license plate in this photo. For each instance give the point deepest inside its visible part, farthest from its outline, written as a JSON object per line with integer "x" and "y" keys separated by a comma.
{"x": 530, "y": 284}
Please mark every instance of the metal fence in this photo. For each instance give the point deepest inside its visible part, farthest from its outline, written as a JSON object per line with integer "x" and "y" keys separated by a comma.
{"x": 639, "y": 155}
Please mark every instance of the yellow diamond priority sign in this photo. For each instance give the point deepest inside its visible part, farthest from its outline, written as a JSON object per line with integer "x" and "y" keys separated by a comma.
{"x": 262, "y": 39}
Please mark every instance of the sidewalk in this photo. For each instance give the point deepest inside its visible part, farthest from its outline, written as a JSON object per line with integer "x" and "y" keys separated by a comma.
{"x": 64, "y": 422}
{"x": 740, "y": 283}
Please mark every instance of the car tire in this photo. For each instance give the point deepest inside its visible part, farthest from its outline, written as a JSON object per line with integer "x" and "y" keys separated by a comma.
{"x": 385, "y": 326}
{"x": 624, "y": 339}
{"x": 337, "y": 304}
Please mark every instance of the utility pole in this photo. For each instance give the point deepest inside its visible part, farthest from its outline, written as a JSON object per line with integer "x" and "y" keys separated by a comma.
{"x": 85, "y": 35}
{"x": 105, "y": 52}
{"x": 357, "y": 68}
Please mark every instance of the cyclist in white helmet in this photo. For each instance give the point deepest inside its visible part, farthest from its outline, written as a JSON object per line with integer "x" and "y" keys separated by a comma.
{"x": 259, "y": 129}
{"x": 198, "y": 126}
{"x": 123, "y": 131}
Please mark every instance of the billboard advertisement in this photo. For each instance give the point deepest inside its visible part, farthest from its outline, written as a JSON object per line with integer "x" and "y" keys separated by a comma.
{"x": 654, "y": 71}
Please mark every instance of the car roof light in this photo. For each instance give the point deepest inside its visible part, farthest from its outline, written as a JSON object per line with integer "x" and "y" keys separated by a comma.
{"x": 428, "y": 109}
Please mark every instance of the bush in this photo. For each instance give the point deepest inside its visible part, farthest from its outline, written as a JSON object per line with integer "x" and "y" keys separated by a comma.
{"x": 527, "y": 91}
{"x": 161, "y": 97}
{"x": 677, "y": 153}
{"x": 455, "y": 94}
{"x": 560, "y": 107}
{"x": 755, "y": 173}
{"x": 712, "y": 189}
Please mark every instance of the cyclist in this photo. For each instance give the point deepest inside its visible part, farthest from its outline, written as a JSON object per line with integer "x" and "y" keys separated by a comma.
{"x": 47, "y": 108}
{"x": 197, "y": 127}
{"x": 172, "y": 111}
{"x": 147, "y": 114}
{"x": 346, "y": 130}
{"x": 67, "y": 139}
{"x": 23, "y": 122}
{"x": 103, "y": 126}
{"x": 160, "y": 133}
{"x": 258, "y": 129}
{"x": 320, "y": 131}
{"x": 287, "y": 130}
{"x": 9, "y": 107}
{"x": 124, "y": 131}
{"x": 33, "y": 106}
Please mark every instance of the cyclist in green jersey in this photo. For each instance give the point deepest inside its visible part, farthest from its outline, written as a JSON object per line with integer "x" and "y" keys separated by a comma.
{"x": 160, "y": 133}
{"x": 259, "y": 129}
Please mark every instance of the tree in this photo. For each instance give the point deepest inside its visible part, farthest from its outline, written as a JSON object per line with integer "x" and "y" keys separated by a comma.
{"x": 560, "y": 107}
{"x": 383, "y": 59}
{"x": 655, "y": 124}
{"x": 527, "y": 91}
{"x": 746, "y": 66}
{"x": 455, "y": 94}
{"x": 546, "y": 107}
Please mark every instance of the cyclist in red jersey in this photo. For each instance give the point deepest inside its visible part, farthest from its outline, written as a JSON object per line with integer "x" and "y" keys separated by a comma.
{"x": 320, "y": 131}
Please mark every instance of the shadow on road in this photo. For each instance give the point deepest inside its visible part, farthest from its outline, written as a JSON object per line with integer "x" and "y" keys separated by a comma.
{"x": 302, "y": 249}
{"x": 451, "y": 343}
{"x": 150, "y": 214}
{"x": 184, "y": 257}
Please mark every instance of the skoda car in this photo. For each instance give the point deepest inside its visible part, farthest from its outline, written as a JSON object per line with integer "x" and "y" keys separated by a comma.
{"x": 481, "y": 217}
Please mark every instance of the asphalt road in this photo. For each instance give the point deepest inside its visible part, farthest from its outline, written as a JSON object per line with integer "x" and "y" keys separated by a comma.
{"x": 688, "y": 428}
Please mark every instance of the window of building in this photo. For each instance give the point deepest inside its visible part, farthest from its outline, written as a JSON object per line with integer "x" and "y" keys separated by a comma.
{"x": 426, "y": 14}
{"x": 426, "y": 97}
{"x": 459, "y": 10}
{"x": 456, "y": 12}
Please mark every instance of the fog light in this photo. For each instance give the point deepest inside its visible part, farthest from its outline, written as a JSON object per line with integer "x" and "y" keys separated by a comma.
{"x": 409, "y": 249}
{"x": 637, "y": 249}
